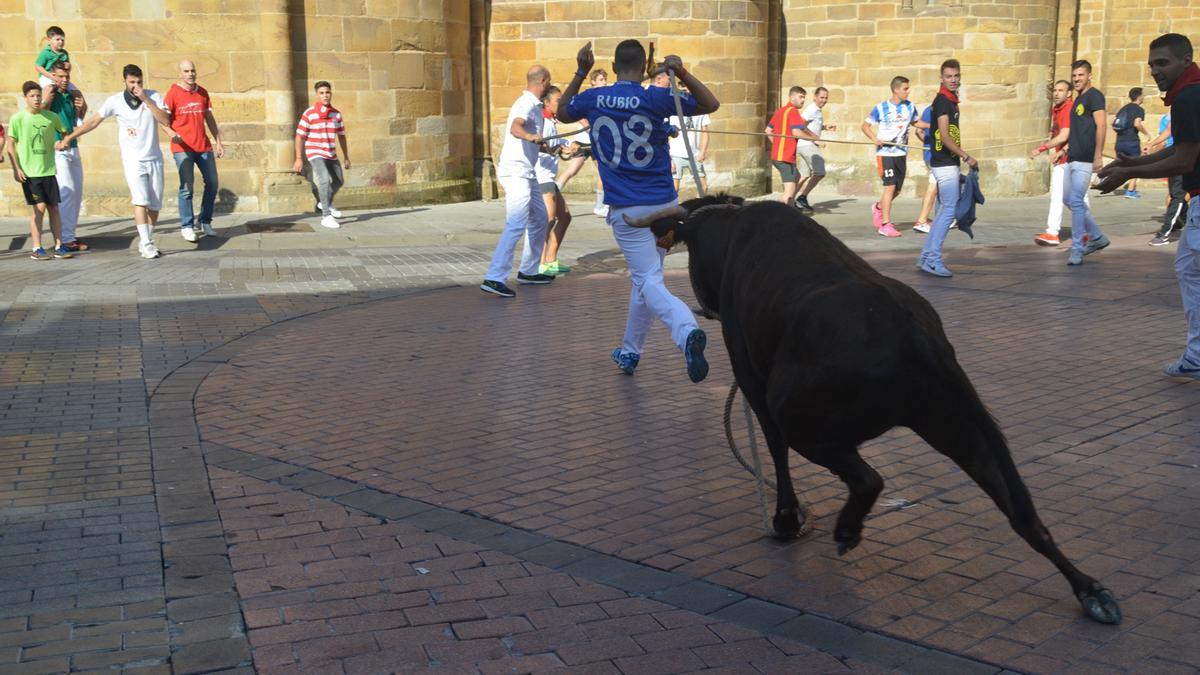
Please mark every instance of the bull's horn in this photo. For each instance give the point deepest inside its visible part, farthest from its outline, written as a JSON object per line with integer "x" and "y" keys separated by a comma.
{"x": 648, "y": 220}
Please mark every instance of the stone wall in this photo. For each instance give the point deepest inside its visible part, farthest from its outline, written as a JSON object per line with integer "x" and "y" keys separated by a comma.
{"x": 400, "y": 72}
{"x": 724, "y": 43}
{"x": 855, "y": 49}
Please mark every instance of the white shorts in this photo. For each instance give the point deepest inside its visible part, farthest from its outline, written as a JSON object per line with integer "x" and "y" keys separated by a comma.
{"x": 682, "y": 164}
{"x": 145, "y": 179}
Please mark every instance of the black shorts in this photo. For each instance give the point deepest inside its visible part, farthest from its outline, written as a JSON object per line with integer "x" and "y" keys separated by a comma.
{"x": 1129, "y": 148}
{"x": 787, "y": 171}
{"x": 549, "y": 188}
{"x": 892, "y": 170}
{"x": 40, "y": 190}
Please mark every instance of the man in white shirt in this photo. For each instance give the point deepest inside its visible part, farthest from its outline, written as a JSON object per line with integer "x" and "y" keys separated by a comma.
{"x": 809, "y": 159}
{"x": 525, "y": 210}
{"x": 139, "y": 112}
{"x": 695, "y": 127}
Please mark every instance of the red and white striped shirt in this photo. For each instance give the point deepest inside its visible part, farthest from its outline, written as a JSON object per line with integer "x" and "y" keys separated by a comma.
{"x": 320, "y": 133}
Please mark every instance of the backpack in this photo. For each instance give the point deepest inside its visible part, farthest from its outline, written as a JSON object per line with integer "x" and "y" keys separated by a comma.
{"x": 1121, "y": 121}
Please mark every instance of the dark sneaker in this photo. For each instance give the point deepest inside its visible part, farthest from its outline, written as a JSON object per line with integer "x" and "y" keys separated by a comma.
{"x": 77, "y": 246}
{"x": 1097, "y": 244}
{"x": 1075, "y": 257}
{"x": 626, "y": 362}
{"x": 1160, "y": 240}
{"x": 693, "y": 353}
{"x": 802, "y": 204}
{"x": 1181, "y": 369}
{"x": 523, "y": 278}
{"x": 40, "y": 254}
{"x": 497, "y": 288}
{"x": 63, "y": 252}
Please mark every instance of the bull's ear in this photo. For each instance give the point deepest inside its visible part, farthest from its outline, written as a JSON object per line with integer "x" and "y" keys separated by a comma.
{"x": 664, "y": 226}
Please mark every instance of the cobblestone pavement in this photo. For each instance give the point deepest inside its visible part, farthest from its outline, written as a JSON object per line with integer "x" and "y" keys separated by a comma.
{"x": 327, "y": 452}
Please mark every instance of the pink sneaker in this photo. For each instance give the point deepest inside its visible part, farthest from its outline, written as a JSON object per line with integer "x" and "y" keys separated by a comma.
{"x": 889, "y": 230}
{"x": 877, "y": 215}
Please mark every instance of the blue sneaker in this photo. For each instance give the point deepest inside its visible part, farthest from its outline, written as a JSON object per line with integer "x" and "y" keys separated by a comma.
{"x": 39, "y": 254}
{"x": 1181, "y": 369}
{"x": 693, "y": 353}
{"x": 936, "y": 268}
{"x": 1133, "y": 194}
{"x": 1096, "y": 244}
{"x": 1076, "y": 257}
{"x": 626, "y": 362}
{"x": 63, "y": 252}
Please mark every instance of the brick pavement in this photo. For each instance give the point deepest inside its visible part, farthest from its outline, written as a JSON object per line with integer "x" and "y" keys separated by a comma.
{"x": 118, "y": 545}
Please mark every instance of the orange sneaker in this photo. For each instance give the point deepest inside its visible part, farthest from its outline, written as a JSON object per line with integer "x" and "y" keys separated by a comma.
{"x": 1046, "y": 239}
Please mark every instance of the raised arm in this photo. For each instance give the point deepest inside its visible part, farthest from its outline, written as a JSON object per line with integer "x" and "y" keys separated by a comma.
{"x": 584, "y": 61}
{"x": 706, "y": 101}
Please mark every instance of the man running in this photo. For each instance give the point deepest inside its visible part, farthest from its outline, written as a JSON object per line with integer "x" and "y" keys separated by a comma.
{"x": 809, "y": 160}
{"x": 138, "y": 111}
{"x": 630, "y": 144}
{"x": 893, "y": 117}
{"x": 1175, "y": 73}
{"x": 1128, "y": 125}
{"x": 1085, "y": 142}
{"x": 943, "y": 163}
{"x": 786, "y": 125}
{"x": 525, "y": 211}
{"x": 1060, "y": 131}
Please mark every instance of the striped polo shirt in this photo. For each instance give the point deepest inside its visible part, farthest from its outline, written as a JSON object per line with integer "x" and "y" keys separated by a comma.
{"x": 894, "y": 120}
{"x": 320, "y": 135}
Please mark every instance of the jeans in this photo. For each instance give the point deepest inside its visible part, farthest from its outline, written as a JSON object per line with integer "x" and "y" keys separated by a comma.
{"x": 1079, "y": 177}
{"x": 327, "y": 180}
{"x": 69, "y": 170}
{"x": 186, "y": 163}
{"x": 525, "y": 214}
{"x": 649, "y": 297}
{"x": 1187, "y": 269}
{"x": 948, "y": 179}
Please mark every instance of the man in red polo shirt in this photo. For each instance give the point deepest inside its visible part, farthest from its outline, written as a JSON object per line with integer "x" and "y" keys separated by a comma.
{"x": 787, "y": 124}
{"x": 1060, "y": 131}
{"x": 190, "y": 109}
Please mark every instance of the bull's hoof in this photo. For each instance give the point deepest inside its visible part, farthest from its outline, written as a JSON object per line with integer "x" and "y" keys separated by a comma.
{"x": 1099, "y": 604}
{"x": 785, "y": 526}
{"x": 846, "y": 542}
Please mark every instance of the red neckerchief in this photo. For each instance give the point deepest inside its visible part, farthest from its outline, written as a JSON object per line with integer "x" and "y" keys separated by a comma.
{"x": 324, "y": 111}
{"x": 948, "y": 94}
{"x": 1190, "y": 76}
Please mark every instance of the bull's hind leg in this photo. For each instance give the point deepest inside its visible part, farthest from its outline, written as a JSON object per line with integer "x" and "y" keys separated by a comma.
{"x": 864, "y": 483}
{"x": 976, "y": 445}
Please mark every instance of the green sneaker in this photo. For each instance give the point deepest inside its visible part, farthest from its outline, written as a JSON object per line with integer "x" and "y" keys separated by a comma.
{"x": 553, "y": 268}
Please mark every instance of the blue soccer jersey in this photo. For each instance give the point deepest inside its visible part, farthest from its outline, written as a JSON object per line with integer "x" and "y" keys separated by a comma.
{"x": 629, "y": 140}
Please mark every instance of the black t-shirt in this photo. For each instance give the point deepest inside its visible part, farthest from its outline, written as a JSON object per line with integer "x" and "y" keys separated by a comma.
{"x": 939, "y": 155}
{"x": 1131, "y": 112}
{"x": 1082, "y": 141}
{"x": 1185, "y": 128}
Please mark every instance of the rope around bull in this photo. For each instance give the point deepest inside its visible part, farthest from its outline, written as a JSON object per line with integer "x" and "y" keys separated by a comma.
{"x": 806, "y": 525}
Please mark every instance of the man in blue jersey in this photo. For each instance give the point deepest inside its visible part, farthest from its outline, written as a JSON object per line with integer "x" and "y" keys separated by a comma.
{"x": 629, "y": 143}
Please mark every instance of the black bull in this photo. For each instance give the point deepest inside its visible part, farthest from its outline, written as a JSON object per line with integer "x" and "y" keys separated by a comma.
{"x": 830, "y": 354}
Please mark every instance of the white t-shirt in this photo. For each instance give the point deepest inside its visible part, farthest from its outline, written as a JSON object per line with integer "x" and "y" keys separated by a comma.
{"x": 137, "y": 130}
{"x": 518, "y": 157}
{"x": 547, "y": 165}
{"x": 693, "y": 124}
{"x": 816, "y": 122}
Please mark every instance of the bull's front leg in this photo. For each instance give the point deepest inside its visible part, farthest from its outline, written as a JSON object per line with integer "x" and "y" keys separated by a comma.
{"x": 786, "y": 523}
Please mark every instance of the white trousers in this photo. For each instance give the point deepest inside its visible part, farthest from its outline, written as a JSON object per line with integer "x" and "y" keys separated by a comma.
{"x": 1187, "y": 269}
{"x": 68, "y": 170}
{"x": 525, "y": 214}
{"x": 1058, "y": 185}
{"x": 649, "y": 297}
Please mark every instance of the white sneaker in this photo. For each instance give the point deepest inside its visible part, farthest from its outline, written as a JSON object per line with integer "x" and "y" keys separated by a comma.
{"x": 189, "y": 234}
{"x": 208, "y": 230}
{"x": 922, "y": 228}
{"x": 601, "y": 210}
{"x": 332, "y": 211}
{"x": 149, "y": 251}
{"x": 330, "y": 222}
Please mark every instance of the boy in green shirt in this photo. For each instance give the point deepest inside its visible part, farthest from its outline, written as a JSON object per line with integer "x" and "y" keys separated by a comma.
{"x": 30, "y": 148}
{"x": 52, "y": 53}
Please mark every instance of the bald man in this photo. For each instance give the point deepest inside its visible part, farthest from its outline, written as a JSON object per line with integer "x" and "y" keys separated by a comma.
{"x": 525, "y": 212}
{"x": 190, "y": 109}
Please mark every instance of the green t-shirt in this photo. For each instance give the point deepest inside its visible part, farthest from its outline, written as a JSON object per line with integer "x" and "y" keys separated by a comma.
{"x": 48, "y": 57}
{"x": 63, "y": 105}
{"x": 33, "y": 135}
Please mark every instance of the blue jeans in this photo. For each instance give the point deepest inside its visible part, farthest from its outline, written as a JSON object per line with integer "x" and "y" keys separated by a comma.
{"x": 186, "y": 163}
{"x": 1079, "y": 177}
{"x": 948, "y": 178}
